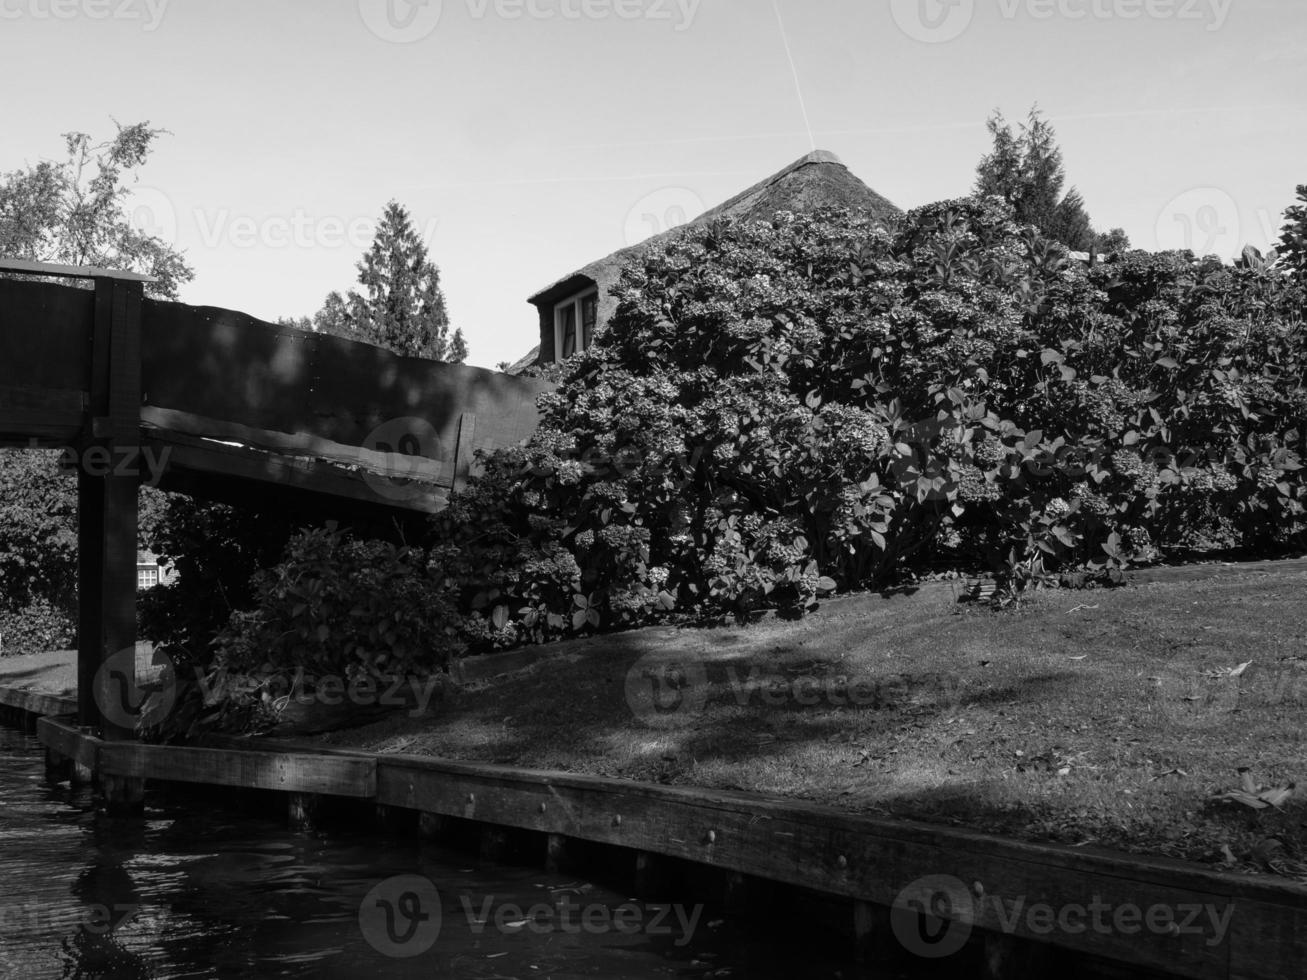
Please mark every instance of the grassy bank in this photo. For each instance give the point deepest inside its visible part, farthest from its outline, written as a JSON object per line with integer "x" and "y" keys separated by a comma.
{"x": 56, "y": 672}
{"x": 1107, "y": 718}
{"x": 1113, "y": 718}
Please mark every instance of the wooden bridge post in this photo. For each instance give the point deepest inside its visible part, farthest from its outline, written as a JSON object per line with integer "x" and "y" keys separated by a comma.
{"x": 107, "y": 485}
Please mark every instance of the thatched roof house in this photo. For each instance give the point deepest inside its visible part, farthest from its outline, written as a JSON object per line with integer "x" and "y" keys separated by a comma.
{"x": 577, "y": 305}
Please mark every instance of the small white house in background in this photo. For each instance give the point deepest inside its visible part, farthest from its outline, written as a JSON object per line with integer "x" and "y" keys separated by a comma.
{"x": 151, "y": 570}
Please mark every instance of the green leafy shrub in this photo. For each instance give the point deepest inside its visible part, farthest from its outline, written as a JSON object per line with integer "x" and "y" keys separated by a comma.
{"x": 37, "y": 628}
{"x": 343, "y": 608}
{"x": 779, "y": 408}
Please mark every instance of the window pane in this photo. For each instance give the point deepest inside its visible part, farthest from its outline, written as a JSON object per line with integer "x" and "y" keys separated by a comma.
{"x": 569, "y": 330}
{"x": 589, "y": 313}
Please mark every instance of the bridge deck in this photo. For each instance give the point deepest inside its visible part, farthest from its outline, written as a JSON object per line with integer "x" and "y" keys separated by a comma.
{"x": 222, "y": 406}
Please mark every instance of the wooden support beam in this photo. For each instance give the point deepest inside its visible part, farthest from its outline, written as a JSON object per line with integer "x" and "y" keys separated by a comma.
{"x": 394, "y": 821}
{"x": 465, "y": 453}
{"x": 124, "y": 796}
{"x": 82, "y": 775}
{"x": 496, "y": 844}
{"x": 1012, "y": 958}
{"x": 58, "y": 768}
{"x": 432, "y": 826}
{"x": 302, "y": 810}
{"x": 108, "y": 516}
{"x": 873, "y": 935}
{"x": 652, "y": 877}
{"x": 556, "y": 853}
{"x": 735, "y": 893}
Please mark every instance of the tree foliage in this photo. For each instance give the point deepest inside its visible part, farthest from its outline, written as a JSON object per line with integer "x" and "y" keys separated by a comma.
{"x": 74, "y": 211}
{"x": 70, "y": 212}
{"x": 399, "y": 304}
{"x": 1026, "y": 169}
{"x": 782, "y": 409}
{"x": 1293, "y": 240}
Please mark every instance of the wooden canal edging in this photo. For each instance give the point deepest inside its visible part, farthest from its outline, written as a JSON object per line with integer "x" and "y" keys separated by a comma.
{"x": 26, "y": 706}
{"x": 995, "y": 884}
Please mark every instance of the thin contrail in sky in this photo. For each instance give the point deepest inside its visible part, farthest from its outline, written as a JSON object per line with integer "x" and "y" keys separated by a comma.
{"x": 798, "y": 87}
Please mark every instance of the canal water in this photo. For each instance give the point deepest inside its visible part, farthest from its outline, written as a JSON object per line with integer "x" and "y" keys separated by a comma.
{"x": 202, "y": 891}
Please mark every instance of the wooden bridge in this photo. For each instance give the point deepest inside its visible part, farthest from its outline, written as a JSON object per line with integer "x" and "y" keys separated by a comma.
{"x": 223, "y": 406}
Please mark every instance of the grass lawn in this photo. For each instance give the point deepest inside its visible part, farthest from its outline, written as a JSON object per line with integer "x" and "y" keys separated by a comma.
{"x": 1107, "y": 717}
{"x": 56, "y": 672}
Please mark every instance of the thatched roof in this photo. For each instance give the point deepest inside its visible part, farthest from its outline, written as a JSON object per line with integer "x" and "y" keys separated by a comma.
{"x": 517, "y": 367}
{"x": 818, "y": 179}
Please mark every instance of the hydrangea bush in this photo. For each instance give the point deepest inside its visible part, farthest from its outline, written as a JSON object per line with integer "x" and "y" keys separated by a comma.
{"x": 779, "y": 410}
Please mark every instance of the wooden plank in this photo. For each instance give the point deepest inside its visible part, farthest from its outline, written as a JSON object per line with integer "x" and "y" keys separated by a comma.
{"x": 1004, "y": 886}
{"x": 189, "y": 455}
{"x": 1268, "y": 941}
{"x": 837, "y": 856}
{"x": 284, "y": 771}
{"x": 36, "y": 702}
{"x": 439, "y": 472}
{"x": 44, "y": 414}
{"x": 90, "y": 586}
{"x": 45, "y": 335}
{"x": 71, "y": 271}
{"x": 465, "y": 453}
{"x": 225, "y": 365}
{"x": 117, "y": 614}
{"x": 60, "y": 735}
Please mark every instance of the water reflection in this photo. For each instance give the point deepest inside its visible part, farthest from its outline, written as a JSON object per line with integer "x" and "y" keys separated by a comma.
{"x": 197, "y": 891}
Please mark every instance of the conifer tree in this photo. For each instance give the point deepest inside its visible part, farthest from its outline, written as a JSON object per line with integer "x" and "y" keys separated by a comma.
{"x": 1025, "y": 168}
{"x": 401, "y": 306}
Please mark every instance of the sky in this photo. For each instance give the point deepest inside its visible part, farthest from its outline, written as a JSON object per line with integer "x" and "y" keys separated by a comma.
{"x": 530, "y": 137}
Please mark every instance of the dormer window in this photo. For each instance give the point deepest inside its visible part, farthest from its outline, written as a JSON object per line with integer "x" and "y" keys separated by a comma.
{"x": 574, "y": 323}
